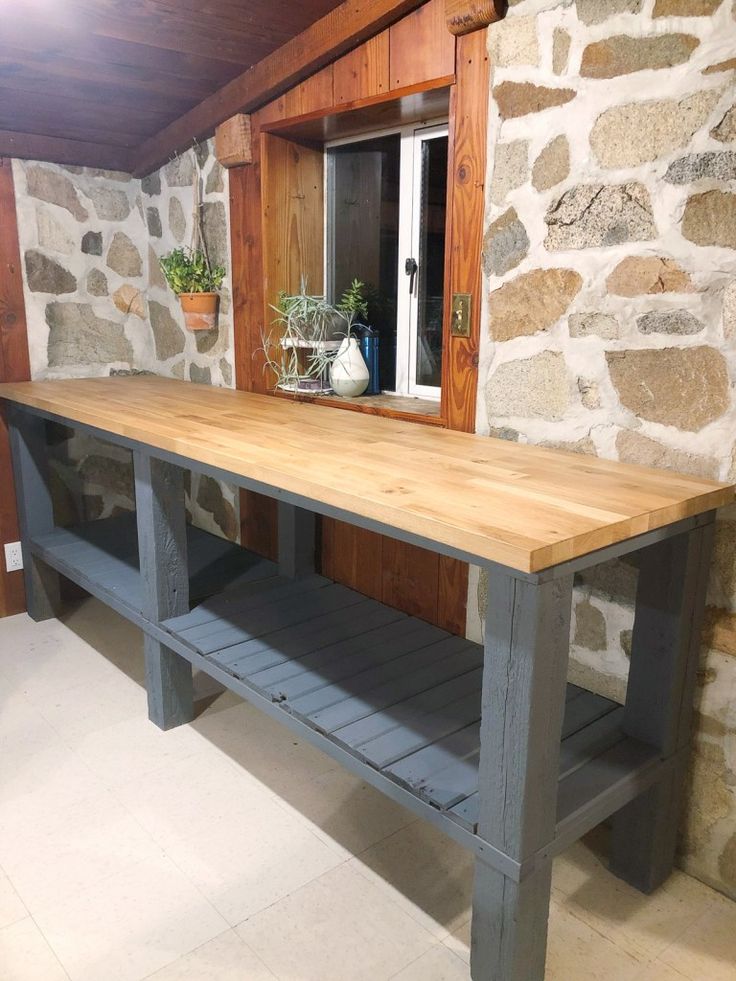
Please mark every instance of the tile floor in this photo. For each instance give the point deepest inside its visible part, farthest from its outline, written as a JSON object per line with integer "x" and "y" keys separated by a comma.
{"x": 229, "y": 851}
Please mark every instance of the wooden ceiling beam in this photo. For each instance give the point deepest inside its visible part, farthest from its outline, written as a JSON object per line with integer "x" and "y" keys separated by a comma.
{"x": 333, "y": 35}
{"x": 31, "y": 146}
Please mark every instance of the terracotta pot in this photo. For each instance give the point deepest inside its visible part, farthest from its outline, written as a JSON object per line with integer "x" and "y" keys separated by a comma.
{"x": 200, "y": 310}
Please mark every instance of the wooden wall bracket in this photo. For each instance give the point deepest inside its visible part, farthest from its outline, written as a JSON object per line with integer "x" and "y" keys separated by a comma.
{"x": 233, "y": 141}
{"x": 465, "y": 16}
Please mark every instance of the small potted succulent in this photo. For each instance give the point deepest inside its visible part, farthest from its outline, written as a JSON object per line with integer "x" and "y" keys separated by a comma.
{"x": 190, "y": 275}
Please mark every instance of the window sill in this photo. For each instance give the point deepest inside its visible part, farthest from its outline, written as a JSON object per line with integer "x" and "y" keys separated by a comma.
{"x": 424, "y": 411}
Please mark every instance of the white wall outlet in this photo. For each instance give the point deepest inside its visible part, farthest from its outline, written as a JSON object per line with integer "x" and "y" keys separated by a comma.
{"x": 13, "y": 557}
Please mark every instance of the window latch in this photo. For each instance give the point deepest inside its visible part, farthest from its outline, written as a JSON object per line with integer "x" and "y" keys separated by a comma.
{"x": 410, "y": 268}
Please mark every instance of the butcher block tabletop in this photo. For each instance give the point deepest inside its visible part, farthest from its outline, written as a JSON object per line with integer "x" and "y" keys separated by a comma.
{"x": 525, "y": 507}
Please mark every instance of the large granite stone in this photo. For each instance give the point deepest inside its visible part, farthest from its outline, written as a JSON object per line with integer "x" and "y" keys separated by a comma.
{"x": 506, "y": 243}
{"x": 52, "y": 235}
{"x": 596, "y": 11}
{"x": 215, "y": 179}
{"x": 683, "y": 387}
{"x": 50, "y": 185}
{"x": 561, "y": 41}
{"x": 179, "y": 172}
{"x": 177, "y": 219}
{"x": 97, "y": 283}
{"x": 516, "y": 99}
{"x": 593, "y": 324}
{"x": 210, "y": 498}
{"x": 725, "y": 131}
{"x": 532, "y": 302}
{"x": 115, "y": 476}
{"x": 536, "y": 387}
{"x": 123, "y": 257}
{"x": 514, "y": 42}
{"x": 129, "y": 299}
{"x": 634, "y": 448}
{"x": 200, "y": 374}
{"x": 151, "y": 184}
{"x": 640, "y": 132}
{"x": 595, "y": 215}
{"x": 110, "y": 203}
{"x": 669, "y": 322}
{"x": 215, "y": 232}
{"x": 77, "y": 336}
{"x": 622, "y": 55}
{"x": 718, "y": 166}
{"x": 92, "y": 243}
{"x": 710, "y": 219}
{"x": 167, "y": 334}
{"x": 686, "y": 8}
{"x": 590, "y": 627}
{"x": 552, "y": 165}
{"x": 646, "y": 275}
{"x": 46, "y": 275}
{"x": 153, "y": 223}
{"x": 510, "y": 168}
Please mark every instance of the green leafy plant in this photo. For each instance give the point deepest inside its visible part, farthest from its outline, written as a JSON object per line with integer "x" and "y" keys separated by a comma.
{"x": 354, "y": 302}
{"x": 298, "y": 347}
{"x": 189, "y": 271}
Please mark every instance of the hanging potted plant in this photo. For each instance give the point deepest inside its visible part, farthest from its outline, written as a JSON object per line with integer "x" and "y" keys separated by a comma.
{"x": 349, "y": 375}
{"x": 190, "y": 275}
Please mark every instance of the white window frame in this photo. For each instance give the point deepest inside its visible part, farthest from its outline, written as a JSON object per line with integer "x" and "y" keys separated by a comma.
{"x": 410, "y": 185}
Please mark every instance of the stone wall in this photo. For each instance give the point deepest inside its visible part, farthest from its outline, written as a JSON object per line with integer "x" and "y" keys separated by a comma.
{"x": 97, "y": 304}
{"x": 610, "y": 320}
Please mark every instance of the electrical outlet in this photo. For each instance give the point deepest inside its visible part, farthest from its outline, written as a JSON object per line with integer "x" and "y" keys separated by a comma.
{"x": 13, "y": 557}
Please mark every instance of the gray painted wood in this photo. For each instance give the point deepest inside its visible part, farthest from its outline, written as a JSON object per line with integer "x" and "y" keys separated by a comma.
{"x": 35, "y": 510}
{"x": 297, "y": 540}
{"x": 162, "y": 549}
{"x": 665, "y": 650}
{"x": 523, "y": 702}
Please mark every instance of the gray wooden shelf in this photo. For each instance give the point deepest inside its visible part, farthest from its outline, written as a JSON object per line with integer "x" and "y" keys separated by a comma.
{"x": 400, "y": 696}
{"x": 102, "y": 557}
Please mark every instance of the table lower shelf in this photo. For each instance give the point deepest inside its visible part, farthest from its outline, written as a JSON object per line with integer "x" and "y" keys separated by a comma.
{"x": 399, "y": 695}
{"x": 395, "y": 698}
{"x": 102, "y": 557}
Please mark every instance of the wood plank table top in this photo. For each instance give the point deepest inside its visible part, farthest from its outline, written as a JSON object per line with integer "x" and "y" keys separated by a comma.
{"x": 525, "y": 507}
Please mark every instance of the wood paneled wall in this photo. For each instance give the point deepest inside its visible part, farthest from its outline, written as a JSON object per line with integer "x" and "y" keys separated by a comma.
{"x": 277, "y": 226}
{"x": 14, "y": 366}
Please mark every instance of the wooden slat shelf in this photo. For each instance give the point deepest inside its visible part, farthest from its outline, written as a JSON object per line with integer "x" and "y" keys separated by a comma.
{"x": 400, "y": 695}
{"x": 102, "y": 557}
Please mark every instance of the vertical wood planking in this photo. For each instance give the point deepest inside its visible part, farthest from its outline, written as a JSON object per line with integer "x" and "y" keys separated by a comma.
{"x": 410, "y": 577}
{"x": 14, "y": 366}
{"x": 311, "y": 95}
{"x": 162, "y": 550}
{"x": 523, "y": 704}
{"x": 466, "y": 196}
{"x": 363, "y": 72}
{"x": 421, "y": 47}
{"x": 352, "y": 556}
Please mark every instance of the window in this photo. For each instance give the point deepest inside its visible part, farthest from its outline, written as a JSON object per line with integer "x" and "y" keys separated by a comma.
{"x": 386, "y": 204}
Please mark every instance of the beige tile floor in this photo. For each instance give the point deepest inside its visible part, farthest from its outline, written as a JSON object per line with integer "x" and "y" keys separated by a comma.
{"x": 229, "y": 851}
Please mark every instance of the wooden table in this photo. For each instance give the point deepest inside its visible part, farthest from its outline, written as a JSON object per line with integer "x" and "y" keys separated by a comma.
{"x": 490, "y": 744}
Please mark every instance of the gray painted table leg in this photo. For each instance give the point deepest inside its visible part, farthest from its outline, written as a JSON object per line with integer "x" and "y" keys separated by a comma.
{"x": 162, "y": 547}
{"x": 35, "y": 510}
{"x": 524, "y": 682}
{"x": 665, "y": 651}
{"x": 297, "y": 541}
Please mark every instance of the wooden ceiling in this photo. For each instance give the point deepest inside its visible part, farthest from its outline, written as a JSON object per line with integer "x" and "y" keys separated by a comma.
{"x": 95, "y": 81}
